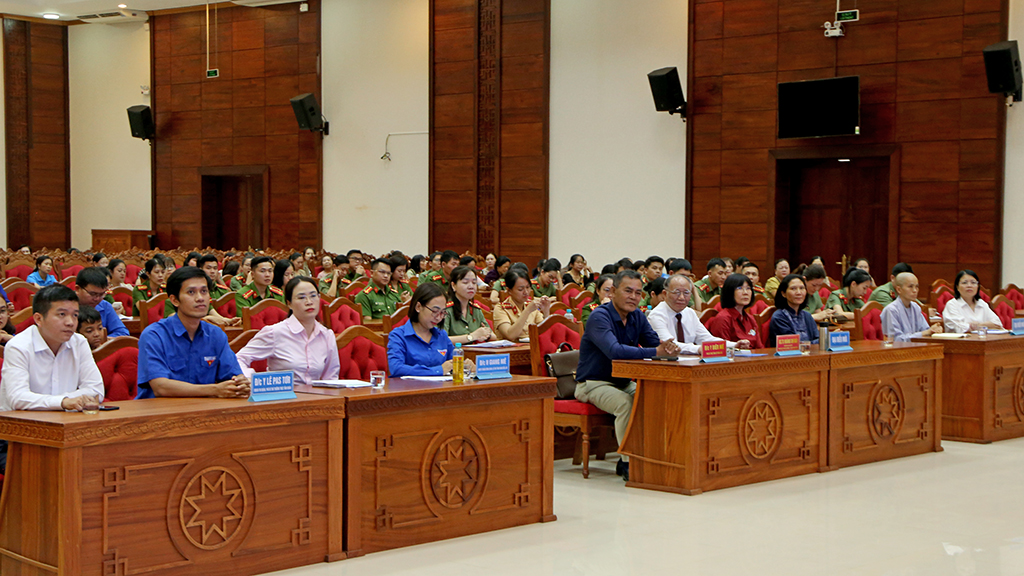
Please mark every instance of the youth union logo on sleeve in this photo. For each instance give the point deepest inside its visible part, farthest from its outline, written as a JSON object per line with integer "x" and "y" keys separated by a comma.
{"x": 442, "y": 351}
{"x": 209, "y": 360}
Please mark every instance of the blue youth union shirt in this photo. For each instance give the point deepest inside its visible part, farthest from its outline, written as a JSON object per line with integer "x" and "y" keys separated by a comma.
{"x": 165, "y": 351}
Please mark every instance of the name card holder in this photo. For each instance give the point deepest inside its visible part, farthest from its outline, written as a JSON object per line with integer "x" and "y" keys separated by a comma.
{"x": 713, "y": 351}
{"x": 839, "y": 342}
{"x": 787, "y": 345}
{"x": 268, "y": 386}
{"x": 492, "y": 366}
{"x": 1017, "y": 328}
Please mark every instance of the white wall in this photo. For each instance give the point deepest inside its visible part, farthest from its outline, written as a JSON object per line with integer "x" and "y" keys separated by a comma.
{"x": 618, "y": 168}
{"x": 375, "y": 80}
{"x": 110, "y": 170}
{"x": 1013, "y": 187}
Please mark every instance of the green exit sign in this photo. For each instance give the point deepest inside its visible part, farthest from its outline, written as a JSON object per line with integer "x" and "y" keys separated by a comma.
{"x": 213, "y": 73}
{"x": 848, "y": 16}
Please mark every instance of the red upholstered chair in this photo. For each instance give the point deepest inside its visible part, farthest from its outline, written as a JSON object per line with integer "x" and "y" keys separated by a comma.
{"x": 131, "y": 273}
{"x": 708, "y": 314}
{"x": 226, "y": 305}
{"x": 342, "y": 313}
{"x": 867, "y": 322}
{"x": 568, "y": 292}
{"x": 264, "y": 313}
{"x": 1014, "y": 295}
{"x": 354, "y": 288}
{"x": 69, "y": 282}
{"x": 152, "y": 311}
{"x": 824, "y": 293}
{"x": 389, "y": 323}
{"x": 118, "y": 361}
{"x": 546, "y": 337}
{"x": 19, "y": 270}
{"x": 763, "y": 319}
{"x": 22, "y": 319}
{"x": 943, "y": 296}
{"x": 123, "y": 294}
{"x": 70, "y": 271}
{"x": 941, "y": 282}
{"x": 985, "y": 294}
{"x": 240, "y": 341}
{"x": 758, "y": 306}
{"x": 864, "y": 297}
{"x": 361, "y": 351}
{"x": 483, "y": 301}
{"x": 559, "y": 308}
{"x": 21, "y": 294}
{"x": 1003, "y": 307}
{"x": 710, "y": 303}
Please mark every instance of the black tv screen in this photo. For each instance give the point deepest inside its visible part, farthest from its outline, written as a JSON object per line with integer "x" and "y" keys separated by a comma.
{"x": 819, "y": 108}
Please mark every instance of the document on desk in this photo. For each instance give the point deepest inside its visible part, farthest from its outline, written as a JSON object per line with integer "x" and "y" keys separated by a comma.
{"x": 495, "y": 344}
{"x": 740, "y": 352}
{"x": 339, "y": 384}
{"x": 949, "y": 335}
{"x": 429, "y": 378}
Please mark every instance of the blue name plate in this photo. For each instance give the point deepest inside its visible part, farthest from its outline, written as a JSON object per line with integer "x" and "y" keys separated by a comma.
{"x": 267, "y": 386}
{"x": 789, "y": 353}
{"x": 1017, "y": 329}
{"x": 492, "y": 366}
{"x": 839, "y": 342}
{"x": 714, "y": 359}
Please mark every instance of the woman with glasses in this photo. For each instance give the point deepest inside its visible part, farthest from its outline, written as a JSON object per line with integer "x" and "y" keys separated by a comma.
{"x": 299, "y": 343}
{"x": 419, "y": 347}
{"x": 734, "y": 323}
{"x": 520, "y": 309}
{"x": 465, "y": 322}
{"x": 968, "y": 312}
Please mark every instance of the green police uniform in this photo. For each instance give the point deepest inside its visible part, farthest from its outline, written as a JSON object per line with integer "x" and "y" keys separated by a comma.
{"x": 378, "y": 302}
{"x": 814, "y": 303}
{"x": 841, "y": 298}
{"x": 236, "y": 283}
{"x": 472, "y": 319}
{"x": 435, "y": 276}
{"x": 884, "y": 294}
{"x": 249, "y": 297}
{"x": 404, "y": 290}
{"x": 325, "y": 285}
{"x": 499, "y": 285}
{"x": 550, "y": 291}
{"x": 587, "y": 309}
{"x": 142, "y": 292}
{"x": 704, "y": 291}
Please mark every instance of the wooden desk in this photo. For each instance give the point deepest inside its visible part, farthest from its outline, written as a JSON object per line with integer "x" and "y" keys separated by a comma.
{"x": 698, "y": 427}
{"x": 518, "y": 360}
{"x": 983, "y": 388}
{"x": 428, "y": 460}
{"x": 884, "y": 402}
{"x": 173, "y": 486}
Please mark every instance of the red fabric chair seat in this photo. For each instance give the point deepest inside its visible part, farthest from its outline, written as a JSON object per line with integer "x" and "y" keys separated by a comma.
{"x": 360, "y": 357}
{"x": 20, "y": 271}
{"x": 873, "y": 325}
{"x": 1016, "y": 297}
{"x": 550, "y": 339}
{"x": 120, "y": 372}
{"x": 71, "y": 271}
{"x": 944, "y": 298}
{"x": 131, "y": 273}
{"x": 1005, "y": 313}
{"x": 577, "y": 407}
{"x": 985, "y": 297}
{"x": 266, "y": 317}
{"x": 342, "y": 318}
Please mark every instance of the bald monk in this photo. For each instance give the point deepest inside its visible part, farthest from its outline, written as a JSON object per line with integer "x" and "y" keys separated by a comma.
{"x": 903, "y": 319}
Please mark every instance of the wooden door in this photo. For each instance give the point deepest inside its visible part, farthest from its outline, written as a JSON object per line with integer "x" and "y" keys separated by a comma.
{"x": 234, "y": 211}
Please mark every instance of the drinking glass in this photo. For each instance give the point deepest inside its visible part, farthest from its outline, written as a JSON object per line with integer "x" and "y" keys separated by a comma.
{"x": 377, "y": 379}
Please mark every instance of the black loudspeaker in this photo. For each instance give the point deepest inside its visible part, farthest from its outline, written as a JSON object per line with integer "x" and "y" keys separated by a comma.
{"x": 668, "y": 92}
{"x": 307, "y": 112}
{"x": 1002, "y": 67}
{"x": 141, "y": 120}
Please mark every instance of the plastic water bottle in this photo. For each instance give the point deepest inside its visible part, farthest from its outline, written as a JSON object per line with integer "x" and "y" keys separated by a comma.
{"x": 568, "y": 316}
{"x": 458, "y": 374}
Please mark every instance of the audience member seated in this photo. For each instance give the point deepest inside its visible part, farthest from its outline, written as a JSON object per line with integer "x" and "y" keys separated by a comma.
{"x": 209, "y": 265}
{"x": 772, "y": 284}
{"x": 655, "y": 290}
{"x": 448, "y": 261}
{"x": 298, "y": 264}
{"x": 708, "y": 288}
{"x": 326, "y": 269}
{"x": 91, "y": 287}
{"x": 789, "y": 316}
{"x": 100, "y": 259}
{"x": 465, "y": 322}
{"x": 734, "y": 323}
{"x": 42, "y": 276}
{"x": 519, "y": 310}
{"x": 90, "y": 325}
{"x": 355, "y": 260}
{"x": 149, "y": 286}
{"x": 283, "y": 273}
{"x": 674, "y": 320}
{"x": 260, "y": 288}
{"x": 7, "y": 329}
{"x": 191, "y": 260}
{"x": 298, "y": 344}
{"x": 603, "y": 290}
{"x": 968, "y": 312}
{"x": 333, "y": 285}
{"x": 308, "y": 263}
{"x": 814, "y": 278}
{"x": 578, "y": 272}
{"x": 617, "y": 331}
{"x": 844, "y": 301}
{"x": 750, "y": 270}
{"x": 886, "y": 293}
{"x": 499, "y": 285}
{"x": 863, "y": 264}
{"x": 379, "y": 299}
{"x": 654, "y": 268}
{"x": 501, "y": 266}
{"x": 902, "y": 319}
{"x": 242, "y": 275}
{"x": 419, "y": 347}
{"x": 184, "y": 356}
{"x": 398, "y": 279}
{"x": 547, "y": 282}
{"x": 417, "y": 266}
{"x": 489, "y": 261}
{"x": 118, "y": 274}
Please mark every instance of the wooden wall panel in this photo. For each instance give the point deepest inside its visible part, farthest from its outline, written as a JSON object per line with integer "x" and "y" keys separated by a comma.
{"x": 37, "y": 136}
{"x": 923, "y": 89}
{"x": 242, "y": 118}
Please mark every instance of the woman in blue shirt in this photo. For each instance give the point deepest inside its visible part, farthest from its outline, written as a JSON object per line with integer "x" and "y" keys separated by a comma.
{"x": 419, "y": 347}
{"x": 790, "y": 316}
{"x": 42, "y": 276}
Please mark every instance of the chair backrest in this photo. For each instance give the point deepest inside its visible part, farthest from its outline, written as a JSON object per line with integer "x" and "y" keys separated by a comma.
{"x": 942, "y": 297}
{"x": 8, "y": 281}
{"x": 131, "y": 273}
{"x": 985, "y": 294}
{"x": 1003, "y": 307}
{"x": 758, "y": 306}
{"x": 342, "y": 313}
{"x": 940, "y": 282}
{"x": 708, "y": 314}
{"x": 568, "y": 292}
{"x": 69, "y": 282}
{"x": 389, "y": 323}
{"x": 264, "y": 313}
{"x": 580, "y": 299}
{"x": 763, "y": 319}
{"x": 483, "y": 301}
{"x": 152, "y": 311}
{"x": 226, "y": 305}
{"x": 361, "y": 351}
{"x": 70, "y": 271}
{"x": 123, "y": 294}
{"x": 22, "y": 319}
{"x": 118, "y": 362}
{"x": 867, "y": 322}
{"x": 712, "y": 302}
{"x": 559, "y": 308}
{"x": 547, "y": 336}
{"x": 354, "y": 288}
{"x": 21, "y": 294}
{"x": 19, "y": 270}
{"x": 824, "y": 293}
{"x": 1014, "y": 295}
{"x": 241, "y": 340}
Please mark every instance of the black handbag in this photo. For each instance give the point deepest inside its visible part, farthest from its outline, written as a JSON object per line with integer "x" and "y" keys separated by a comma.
{"x": 562, "y": 365}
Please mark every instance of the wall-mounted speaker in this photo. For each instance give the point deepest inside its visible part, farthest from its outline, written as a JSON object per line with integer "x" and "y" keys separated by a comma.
{"x": 307, "y": 113}
{"x": 140, "y": 118}
{"x": 667, "y": 91}
{"x": 1002, "y": 68}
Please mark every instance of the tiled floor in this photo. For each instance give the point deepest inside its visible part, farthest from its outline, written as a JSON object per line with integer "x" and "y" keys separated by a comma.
{"x": 958, "y": 512}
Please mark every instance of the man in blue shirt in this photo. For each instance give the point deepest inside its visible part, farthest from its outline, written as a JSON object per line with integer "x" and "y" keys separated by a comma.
{"x": 617, "y": 331}
{"x": 91, "y": 286}
{"x": 183, "y": 356}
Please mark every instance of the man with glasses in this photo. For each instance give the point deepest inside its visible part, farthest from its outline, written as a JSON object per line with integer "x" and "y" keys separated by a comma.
{"x": 379, "y": 298}
{"x": 617, "y": 330}
{"x": 674, "y": 320}
{"x": 91, "y": 287}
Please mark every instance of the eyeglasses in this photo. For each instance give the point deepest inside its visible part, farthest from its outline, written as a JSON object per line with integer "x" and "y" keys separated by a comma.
{"x": 678, "y": 293}
{"x": 95, "y": 294}
{"x": 968, "y": 282}
{"x": 437, "y": 311}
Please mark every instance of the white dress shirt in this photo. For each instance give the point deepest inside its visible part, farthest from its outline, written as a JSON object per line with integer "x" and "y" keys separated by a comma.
{"x": 958, "y": 316}
{"x": 285, "y": 347}
{"x": 33, "y": 378}
{"x": 663, "y": 320}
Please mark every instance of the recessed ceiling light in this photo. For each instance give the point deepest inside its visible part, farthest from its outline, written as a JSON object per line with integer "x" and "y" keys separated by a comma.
{"x": 50, "y": 16}
{"x": 122, "y": 5}
{"x": 844, "y": 159}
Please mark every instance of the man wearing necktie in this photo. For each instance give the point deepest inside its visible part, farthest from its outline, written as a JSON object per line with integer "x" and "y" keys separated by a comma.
{"x": 674, "y": 320}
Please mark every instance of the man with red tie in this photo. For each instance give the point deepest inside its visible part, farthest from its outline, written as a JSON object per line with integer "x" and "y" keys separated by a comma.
{"x": 674, "y": 320}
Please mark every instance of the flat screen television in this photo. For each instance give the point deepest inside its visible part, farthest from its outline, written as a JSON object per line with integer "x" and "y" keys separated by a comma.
{"x": 819, "y": 108}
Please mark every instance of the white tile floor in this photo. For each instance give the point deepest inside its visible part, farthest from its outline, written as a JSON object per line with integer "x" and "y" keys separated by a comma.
{"x": 958, "y": 512}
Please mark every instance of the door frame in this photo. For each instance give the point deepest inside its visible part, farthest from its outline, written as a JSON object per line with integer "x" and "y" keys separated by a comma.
{"x": 892, "y": 151}
{"x": 261, "y": 170}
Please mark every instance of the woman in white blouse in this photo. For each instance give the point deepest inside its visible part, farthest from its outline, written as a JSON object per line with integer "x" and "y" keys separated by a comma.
{"x": 968, "y": 311}
{"x": 299, "y": 343}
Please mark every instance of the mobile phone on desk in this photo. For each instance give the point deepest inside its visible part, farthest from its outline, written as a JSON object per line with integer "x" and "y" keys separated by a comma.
{"x": 108, "y": 407}
{"x": 666, "y": 358}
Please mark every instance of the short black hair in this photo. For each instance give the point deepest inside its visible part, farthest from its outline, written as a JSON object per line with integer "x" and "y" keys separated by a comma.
{"x": 752, "y": 264}
{"x": 192, "y": 255}
{"x": 41, "y": 259}
{"x": 179, "y": 276}
{"x": 679, "y": 264}
{"x": 626, "y": 275}
{"x": 741, "y": 262}
{"x": 652, "y": 259}
{"x": 900, "y": 268}
{"x": 624, "y": 263}
{"x": 656, "y": 286}
{"x": 114, "y": 263}
{"x": 780, "y": 294}
{"x": 260, "y": 260}
{"x": 424, "y": 293}
{"x": 600, "y": 282}
{"x": 295, "y": 256}
{"x": 91, "y": 276}
{"x": 448, "y": 256}
{"x": 467, "y": 261}
{"x": 814, "y": 272}
{"x": 96, "y": 258}
{"x": 956, "y": 283}
{"x": 551, "y": 265}
{"x": 340, "y": 259}
{"x": 382, "y": 261}
{"x": 52, "y": 293}
{"x": 609, "y": 269}
{"x": 715, "y": 262}
{"x": 289, "y": 288}
{"x": 354, "y": 251}
{"x": 87, "y": 315}
{"x": 231, "y": 267}
{"x": 638, "y": 264}
{"x": 513, "y": 275}
{"x": 206, "y": 258}
{"x": 397, "y": 260}
{"x": 729, "y": 287}
{"x": 855, "y": 275}
{"x": 501, "y": 261}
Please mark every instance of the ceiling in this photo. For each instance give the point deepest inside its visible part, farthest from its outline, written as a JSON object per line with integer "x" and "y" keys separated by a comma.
{"x": 70, "y": 9}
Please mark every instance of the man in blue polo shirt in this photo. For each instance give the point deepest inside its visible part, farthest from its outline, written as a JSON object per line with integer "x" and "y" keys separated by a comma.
{"x": 183, "y": 356}
{"x": 91, "y": 286}
{"x": 617, "y": 331}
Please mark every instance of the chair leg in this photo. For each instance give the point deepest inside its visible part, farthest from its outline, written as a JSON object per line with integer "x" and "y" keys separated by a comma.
{"x": 585, "y": 437}
{"x": 577, "y": 454}
{"x": 601, "y": 434}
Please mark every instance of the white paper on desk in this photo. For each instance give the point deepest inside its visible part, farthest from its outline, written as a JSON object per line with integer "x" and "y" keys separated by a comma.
{"x": 949, "y": 335}
{"x": 495, "y": 344}
{"x": 995, "y": 331}
{"x": 340, "y": 384}
{"x": 123, "y": 317}
{"x": 429, "y": 378}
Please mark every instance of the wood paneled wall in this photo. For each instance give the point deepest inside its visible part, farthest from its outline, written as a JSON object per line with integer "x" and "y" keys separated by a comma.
{"x": 36, "y": 110}
{"x": 242, "y": 118}
{"x": 922, "y": 87}
{"x": 489, "y": 84}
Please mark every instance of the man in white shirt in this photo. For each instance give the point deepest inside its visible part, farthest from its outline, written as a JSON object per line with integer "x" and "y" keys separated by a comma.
{"x": 902, "y": 319}
{"x": 674, "y": 320}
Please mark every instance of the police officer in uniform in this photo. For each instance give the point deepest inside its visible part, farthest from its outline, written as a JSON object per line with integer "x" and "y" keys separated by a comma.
{"x": 260, "y": 288}
{"x": 449, "y": 260}
{"x": 708, "y": 288}
{"x": 379, "y": 298}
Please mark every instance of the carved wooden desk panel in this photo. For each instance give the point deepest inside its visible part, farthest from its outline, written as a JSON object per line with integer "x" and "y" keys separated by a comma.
{"x": 518, "y": 357}
{"x": 172, "y": 486}
{"x": 428, "y": 461}
{"x": 884, "y": 402}
{"x": 983, "y": 388}
{"x": 698, "y": 427}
